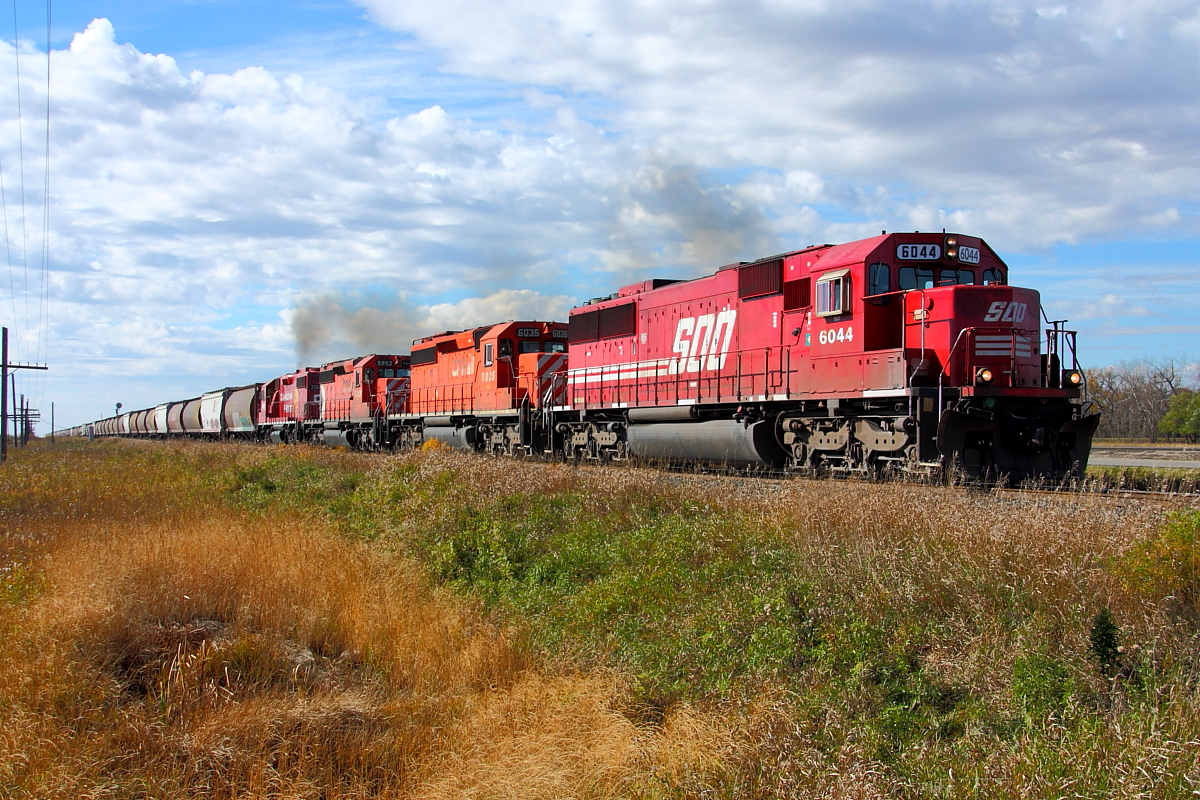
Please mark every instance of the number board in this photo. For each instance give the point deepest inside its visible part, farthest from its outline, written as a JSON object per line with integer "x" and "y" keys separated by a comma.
{"x": 968, "y": 255}
{"x": 529, "y": 333}
{"x": 918, "y": 252}
{"x": 562, "y": 334}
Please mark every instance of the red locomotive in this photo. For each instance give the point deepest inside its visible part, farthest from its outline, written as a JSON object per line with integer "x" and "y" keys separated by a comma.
{"x": 485, "y": 388}
{"x": 906, "y": 353}
{"x": 343, "y": 403}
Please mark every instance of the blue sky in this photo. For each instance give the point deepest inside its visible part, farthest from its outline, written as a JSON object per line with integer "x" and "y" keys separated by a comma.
{"x": 236, "y": 186}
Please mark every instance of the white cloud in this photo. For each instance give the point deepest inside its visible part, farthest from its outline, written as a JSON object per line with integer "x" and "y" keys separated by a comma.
{"x": 189, "y": 210}
{"x": 1036, "y": 123}
{"x": 1109, "y": 306}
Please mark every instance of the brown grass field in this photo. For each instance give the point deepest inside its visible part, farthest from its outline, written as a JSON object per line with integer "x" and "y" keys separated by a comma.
{"x": 194, "y": 620}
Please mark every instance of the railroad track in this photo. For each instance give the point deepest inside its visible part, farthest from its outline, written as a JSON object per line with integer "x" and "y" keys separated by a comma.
{"x": 1085, "y": 490}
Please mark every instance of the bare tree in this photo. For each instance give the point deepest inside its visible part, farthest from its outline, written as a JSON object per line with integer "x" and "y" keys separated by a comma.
{"x": 1134, "y": 395}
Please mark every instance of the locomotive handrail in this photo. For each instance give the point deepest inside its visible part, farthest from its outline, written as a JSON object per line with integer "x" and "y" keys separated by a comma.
{"x": 969, "y": 332}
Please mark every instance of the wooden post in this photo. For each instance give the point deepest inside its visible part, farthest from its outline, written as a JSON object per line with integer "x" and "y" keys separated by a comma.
{"x": 4, "y": 397}
{"x": 51, "y": 422}
{"x": 21, "y": 414}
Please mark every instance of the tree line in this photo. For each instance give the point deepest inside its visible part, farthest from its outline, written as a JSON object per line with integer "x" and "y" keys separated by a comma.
{"x": 1147, "y": 399}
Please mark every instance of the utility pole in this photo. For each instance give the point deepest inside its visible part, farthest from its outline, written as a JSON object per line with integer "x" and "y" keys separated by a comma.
{"x": 5, "y": 367}
{"x": 4, "y": 398}
{"x": 51, "y": 422}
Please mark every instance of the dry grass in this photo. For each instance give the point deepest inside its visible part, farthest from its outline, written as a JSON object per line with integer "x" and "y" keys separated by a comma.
{"x": 189, "y": 620}
{"x": 181, "y": 649}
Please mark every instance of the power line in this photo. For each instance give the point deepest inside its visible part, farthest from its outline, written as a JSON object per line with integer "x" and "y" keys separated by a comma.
{"x": 44, "y": 305}
{"x": 21, "y": 154}
{"x": 12, "y": 287}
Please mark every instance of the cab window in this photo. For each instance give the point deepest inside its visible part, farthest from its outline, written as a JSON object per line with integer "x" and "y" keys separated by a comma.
{"x": 879, "y": 283}
{"x": 556, "y": 347}
{"x": 956, "y": 277}
{"x": 915, "y": 278}
{"x": 993, "y": 277}
{"x": 833, "y": 291}
{"x": 880, "y": 279}
{"x": 505, "y": 347}
{"x": 527, "y": 346}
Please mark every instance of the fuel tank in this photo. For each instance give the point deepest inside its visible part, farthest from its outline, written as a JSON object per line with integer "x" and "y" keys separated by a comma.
{"x": 461, "y": 438}
{"x": 723, "y": 441}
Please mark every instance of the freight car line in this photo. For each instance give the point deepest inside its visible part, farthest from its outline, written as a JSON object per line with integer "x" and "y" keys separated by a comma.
{"x": 901, "y": 353}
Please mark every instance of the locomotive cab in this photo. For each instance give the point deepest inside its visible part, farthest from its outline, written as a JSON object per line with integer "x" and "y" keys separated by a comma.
{"x": 1006, "y": 395}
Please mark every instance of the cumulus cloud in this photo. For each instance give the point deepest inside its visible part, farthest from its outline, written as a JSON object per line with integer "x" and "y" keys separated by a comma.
{"x": 190, "y": 211}
{"x": 1032, "y": 124}
{"x": 1109, "y": 306}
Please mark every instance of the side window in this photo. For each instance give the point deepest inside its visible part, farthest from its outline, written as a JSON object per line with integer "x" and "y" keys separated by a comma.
{"x": 915, "y": 278}
{"x": 993, "y": 277}
{"x": 833, "y": 290}
{"x": 505, "y": 347}
{"x": 880, "y": 279}
{"x": 488, "y": 358}
{"x": 369, "y": 374}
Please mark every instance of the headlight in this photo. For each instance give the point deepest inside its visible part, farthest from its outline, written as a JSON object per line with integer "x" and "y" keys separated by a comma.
{"x": 983, "y": 375}
{"x": 1072, "y": 377}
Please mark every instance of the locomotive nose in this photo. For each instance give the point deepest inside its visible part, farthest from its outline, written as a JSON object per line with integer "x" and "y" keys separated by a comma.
{"x": 991, "y": 335}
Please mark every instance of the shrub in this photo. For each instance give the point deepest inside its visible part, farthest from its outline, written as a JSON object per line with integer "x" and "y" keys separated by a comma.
{"x": 1168, "y": 566}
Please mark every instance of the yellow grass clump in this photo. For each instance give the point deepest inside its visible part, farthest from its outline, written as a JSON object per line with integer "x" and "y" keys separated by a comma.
{"x": 182, "y": 648}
